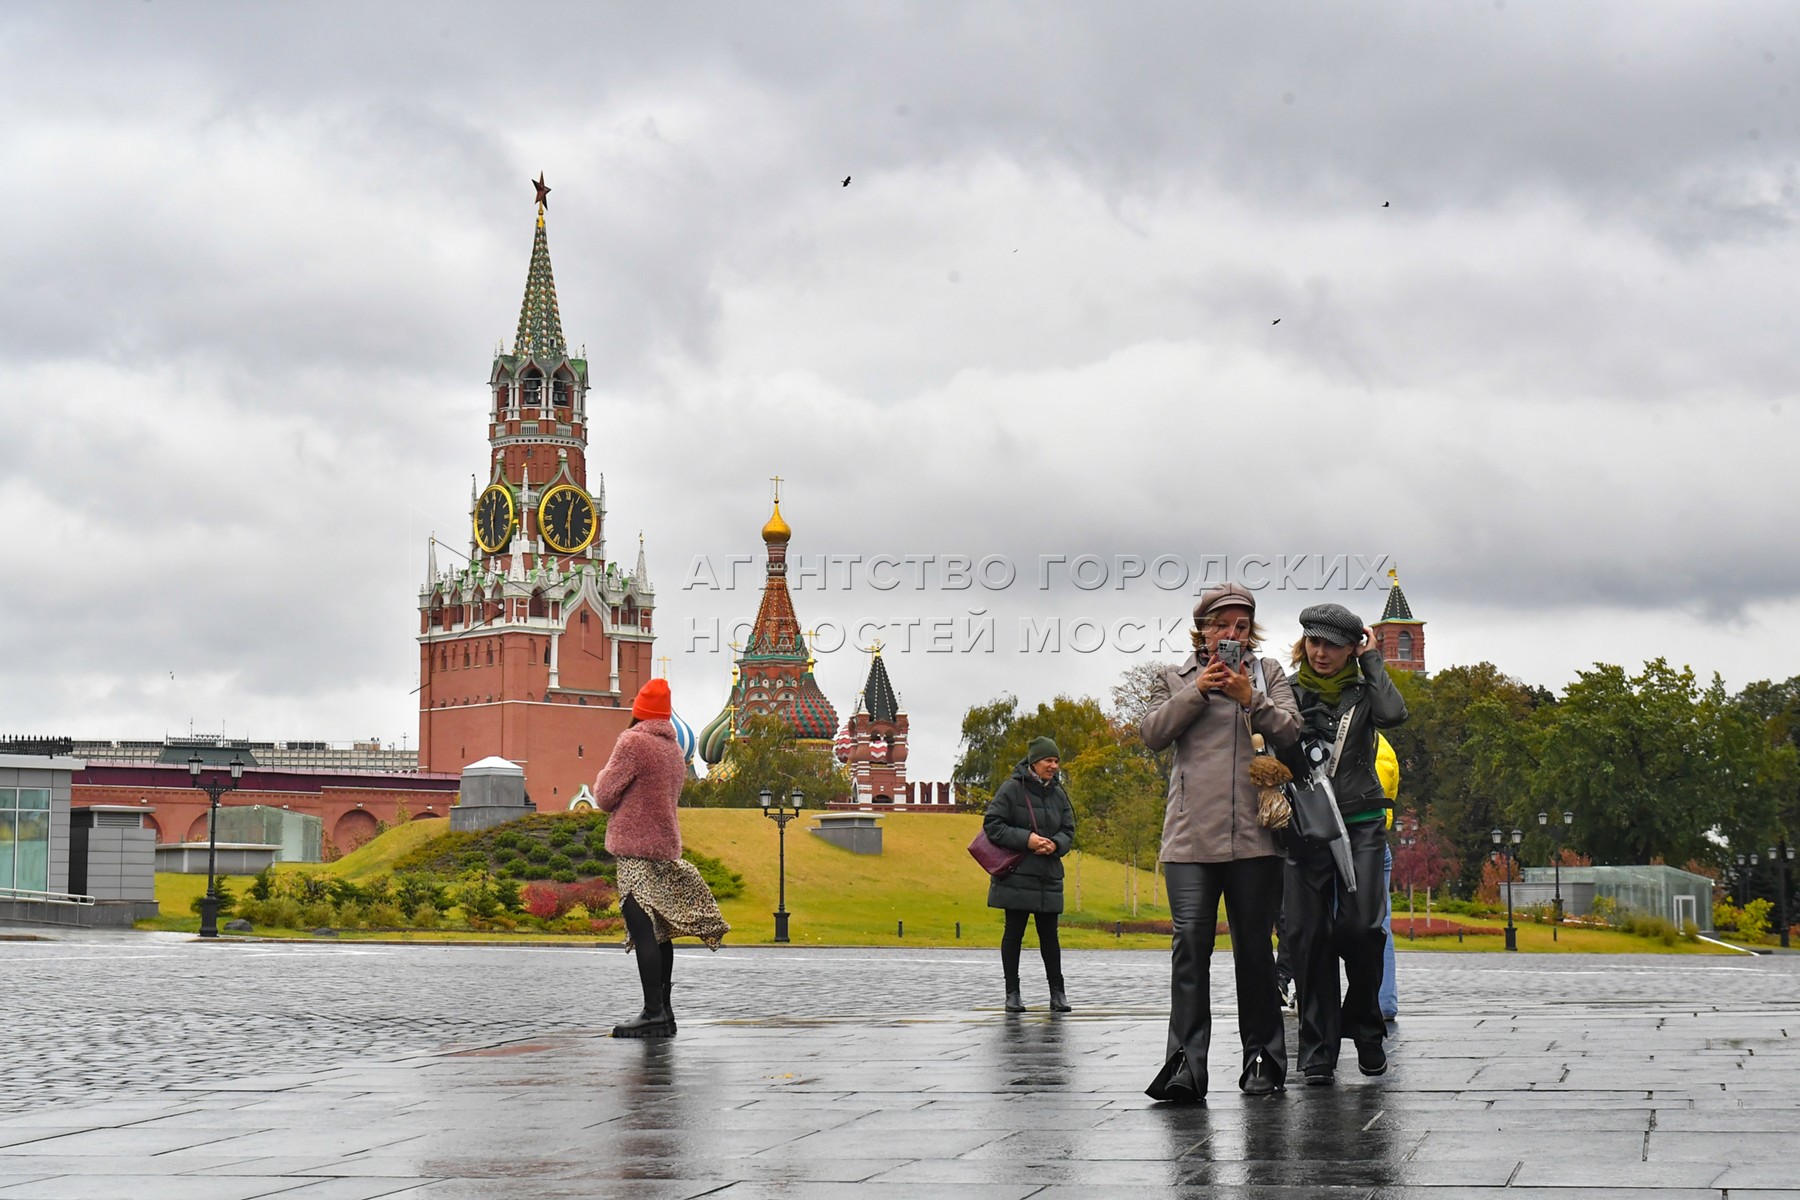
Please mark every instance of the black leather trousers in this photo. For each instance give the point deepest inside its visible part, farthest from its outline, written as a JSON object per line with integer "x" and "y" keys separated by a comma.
{"x": 1251, "y": 889}
{"x": 1327, "y": 925}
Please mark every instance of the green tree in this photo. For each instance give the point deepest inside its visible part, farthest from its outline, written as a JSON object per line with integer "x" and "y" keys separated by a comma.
{"x": 1650, "y": 764}
{"x": 1118, "y": 802}
{"x": 1465, "y": 747}
{"x": 996, "y": 736}
{"x": 767, "y": 754}
{"x": 984, "y": 730}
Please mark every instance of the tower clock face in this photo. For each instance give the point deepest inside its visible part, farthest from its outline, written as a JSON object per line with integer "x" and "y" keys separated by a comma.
{"x": 566, "y": 519}
{"x": 495, "y": 514}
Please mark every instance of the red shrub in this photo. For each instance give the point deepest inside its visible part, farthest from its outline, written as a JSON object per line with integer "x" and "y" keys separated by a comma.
{"x": 544, "y": 900}
{"x": 596, "y": 895}
{"x": 550, "y": 900}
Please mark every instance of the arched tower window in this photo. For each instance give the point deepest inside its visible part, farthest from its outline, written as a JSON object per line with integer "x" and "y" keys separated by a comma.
{"x": 1405, "y": 645}
{"x": 538, "y": 607}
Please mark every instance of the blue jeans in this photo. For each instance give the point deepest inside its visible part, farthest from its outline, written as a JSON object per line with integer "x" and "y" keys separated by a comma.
{"x": 1390, "y": 996}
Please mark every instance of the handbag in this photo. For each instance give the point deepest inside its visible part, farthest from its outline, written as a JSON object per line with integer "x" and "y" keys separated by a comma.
{"x": 1314, "y": 802}
{"x": 995, "y": 859}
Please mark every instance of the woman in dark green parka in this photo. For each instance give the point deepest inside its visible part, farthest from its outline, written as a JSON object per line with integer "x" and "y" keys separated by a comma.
{"x": 1032, "y": 797}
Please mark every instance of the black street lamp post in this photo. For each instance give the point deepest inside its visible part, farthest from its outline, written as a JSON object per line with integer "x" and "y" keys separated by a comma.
{"x": 1780, "y": 855}
{"x": 1556, "y": 867}
{"x": 1507, "y": 854}
{"x": 781, "y": 816}
{"x": 1743, "y": 883}
{"x": 214, "y": 788}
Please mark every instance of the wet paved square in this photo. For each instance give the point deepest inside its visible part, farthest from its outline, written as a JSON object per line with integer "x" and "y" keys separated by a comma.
{"x": 144, "y": 1066}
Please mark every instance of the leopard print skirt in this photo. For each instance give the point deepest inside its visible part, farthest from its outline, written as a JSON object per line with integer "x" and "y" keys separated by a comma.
{"x": 674, "y": 896}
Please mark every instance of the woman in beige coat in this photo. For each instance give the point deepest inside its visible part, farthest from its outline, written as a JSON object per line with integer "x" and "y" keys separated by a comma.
{"x": 1213, "y": 846}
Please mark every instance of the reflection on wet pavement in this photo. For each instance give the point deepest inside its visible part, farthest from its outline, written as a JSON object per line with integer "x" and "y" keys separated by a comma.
{"x": 1580, "y": 1086}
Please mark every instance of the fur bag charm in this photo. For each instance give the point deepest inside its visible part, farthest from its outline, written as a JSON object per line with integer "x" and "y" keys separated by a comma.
{"x": 1272, "y": 809}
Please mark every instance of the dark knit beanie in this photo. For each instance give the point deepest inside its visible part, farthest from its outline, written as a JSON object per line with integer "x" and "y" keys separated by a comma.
{"x": 1042, "y": 747}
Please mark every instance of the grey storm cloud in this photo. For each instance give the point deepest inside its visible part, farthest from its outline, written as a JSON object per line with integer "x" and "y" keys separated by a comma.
{"x": 259, "y": 256}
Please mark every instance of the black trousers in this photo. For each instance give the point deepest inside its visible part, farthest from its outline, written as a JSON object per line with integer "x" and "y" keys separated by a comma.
{"x": 1327, "y": 925}
{"x": 1049, "y": 945}
{"x": 1251, "y": 889}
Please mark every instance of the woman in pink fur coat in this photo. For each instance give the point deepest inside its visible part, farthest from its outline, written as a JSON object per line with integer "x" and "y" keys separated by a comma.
{"x": 661, "y": 896}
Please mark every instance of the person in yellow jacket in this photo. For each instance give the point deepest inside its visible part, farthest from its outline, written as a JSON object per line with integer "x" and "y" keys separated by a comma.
{"x": 1387, "y": 769}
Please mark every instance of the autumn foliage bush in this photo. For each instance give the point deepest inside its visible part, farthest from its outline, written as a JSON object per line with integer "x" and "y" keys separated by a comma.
{"x": 549, "y": 901}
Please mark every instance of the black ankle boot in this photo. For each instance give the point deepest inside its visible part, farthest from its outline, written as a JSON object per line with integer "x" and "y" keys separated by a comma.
{"x": 1014, "y": 1003}
{"x": 647, "y": 1024}
{"x": 1059, "y": 1002}
{"x": 668, "y": 991}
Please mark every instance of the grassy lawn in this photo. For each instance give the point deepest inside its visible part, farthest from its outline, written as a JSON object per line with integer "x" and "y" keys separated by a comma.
{"x": 923, "y": 878}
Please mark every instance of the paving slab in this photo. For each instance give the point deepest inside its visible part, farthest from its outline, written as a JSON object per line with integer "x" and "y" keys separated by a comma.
{"x": 358, "y": 1073}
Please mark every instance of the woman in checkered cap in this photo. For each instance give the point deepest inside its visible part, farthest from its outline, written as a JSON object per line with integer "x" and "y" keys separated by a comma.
{"x": 1345, "y": 696}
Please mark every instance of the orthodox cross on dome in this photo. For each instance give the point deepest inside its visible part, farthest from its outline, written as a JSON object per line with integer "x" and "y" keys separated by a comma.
{"x": 776, "y": 480}
{"x": 665, "y": 660}
{"x": 540, "y": 333}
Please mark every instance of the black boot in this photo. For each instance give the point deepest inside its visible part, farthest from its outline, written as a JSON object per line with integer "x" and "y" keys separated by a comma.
{"x": 1059, "y": 1002}
{"x": 656, "y": 1021}
{"x": 668, "y": 988}
{"x": 1014, "y": 1002}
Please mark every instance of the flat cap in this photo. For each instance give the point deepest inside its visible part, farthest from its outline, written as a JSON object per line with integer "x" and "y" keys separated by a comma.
{"x": 1221, "y": 596}
{"x": 1332, "y": 622}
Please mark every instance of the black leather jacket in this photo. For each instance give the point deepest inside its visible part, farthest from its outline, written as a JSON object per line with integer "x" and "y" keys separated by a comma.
{"x": 1378, "y": 705}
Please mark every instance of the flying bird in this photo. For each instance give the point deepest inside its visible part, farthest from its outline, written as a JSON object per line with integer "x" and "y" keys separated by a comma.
{"x": 1384, "y": 204}
{"x": 1276, "y": 321}
{"x": 846, "y": 181}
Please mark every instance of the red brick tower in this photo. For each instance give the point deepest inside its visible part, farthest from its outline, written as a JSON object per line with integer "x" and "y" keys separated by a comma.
{"x": 534, "y": 649}
{"x": 873, "y": 743}
{"x": 1400, "y": 636}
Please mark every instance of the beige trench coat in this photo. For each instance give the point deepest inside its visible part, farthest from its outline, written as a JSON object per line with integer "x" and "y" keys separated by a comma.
{"x": 1211, "y": 812}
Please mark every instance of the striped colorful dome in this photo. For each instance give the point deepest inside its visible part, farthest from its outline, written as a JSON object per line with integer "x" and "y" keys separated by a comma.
{"x": 684, "y": 736}
{"x": 716, "y": 736}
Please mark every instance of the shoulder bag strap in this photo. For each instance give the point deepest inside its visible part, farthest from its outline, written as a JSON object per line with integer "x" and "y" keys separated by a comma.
{"x": 1337, "y": 747}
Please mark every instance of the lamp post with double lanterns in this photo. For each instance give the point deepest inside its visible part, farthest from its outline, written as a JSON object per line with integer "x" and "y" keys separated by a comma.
{"x": 1746, "y": 868}
{"x": 1780, "y": 855}
{"x": 781, "y": 816}
{"x": 1507, "y": 854}
{"x": 1568, "y": 819}
{"x": 214, "y": 788}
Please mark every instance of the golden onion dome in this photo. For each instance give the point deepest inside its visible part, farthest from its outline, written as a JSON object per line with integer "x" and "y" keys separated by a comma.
{"x": 777, "y": 529}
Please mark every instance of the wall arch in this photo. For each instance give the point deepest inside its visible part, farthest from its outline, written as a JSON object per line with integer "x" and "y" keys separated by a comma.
{"x": 353, "y": 829}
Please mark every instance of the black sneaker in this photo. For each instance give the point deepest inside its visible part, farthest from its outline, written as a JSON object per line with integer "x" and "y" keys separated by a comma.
{"x": 1318, "y": 1077}
{"x": 1371, "y": 1059}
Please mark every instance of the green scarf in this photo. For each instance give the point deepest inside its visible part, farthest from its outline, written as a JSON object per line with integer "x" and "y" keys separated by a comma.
{"x": 1328, "y": 687}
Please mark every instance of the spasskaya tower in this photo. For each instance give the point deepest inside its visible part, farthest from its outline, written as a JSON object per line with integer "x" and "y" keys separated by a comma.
{"x": 534, "y": 647}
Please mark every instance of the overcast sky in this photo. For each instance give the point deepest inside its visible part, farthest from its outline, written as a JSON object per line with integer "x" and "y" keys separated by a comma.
{"x": 1533, "y": 265}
